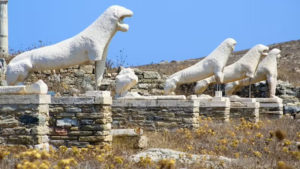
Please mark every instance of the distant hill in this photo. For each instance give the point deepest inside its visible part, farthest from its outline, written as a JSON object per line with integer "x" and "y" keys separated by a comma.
{"x": 288, "y": 65}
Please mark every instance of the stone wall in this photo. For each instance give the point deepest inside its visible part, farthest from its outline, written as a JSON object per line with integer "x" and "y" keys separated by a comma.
{"x": 79, "y": 79}
{"x": 271, "y": 108}
{"x": 67, "y": 82}
{"x": 79, "y": 121}
{"x": 37, "y": 120}
{"x": 24, "y": 119}
{"x": 216, "y": 108}
{"x": 155, "y": 114}
{"x": 246, "y": 108}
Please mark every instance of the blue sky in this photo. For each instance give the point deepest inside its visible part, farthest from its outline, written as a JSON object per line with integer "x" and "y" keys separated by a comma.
{"x": 160, "y": 29}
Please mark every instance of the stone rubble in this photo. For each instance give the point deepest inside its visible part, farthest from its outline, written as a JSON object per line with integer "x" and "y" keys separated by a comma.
{"x": 157, "y": 154}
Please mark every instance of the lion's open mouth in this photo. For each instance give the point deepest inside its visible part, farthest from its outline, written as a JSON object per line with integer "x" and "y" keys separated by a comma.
{"x": 121, "y": 25}
{"x": 265, "y": 52}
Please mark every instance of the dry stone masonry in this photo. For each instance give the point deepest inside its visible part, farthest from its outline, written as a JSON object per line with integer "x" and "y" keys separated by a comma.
{"x": 270, "y": 107}
{"x": 217, "y": 108}
{"x": 247, "y": 108}
{"x": 80, "y": 121}
{"x": 24, "y": 120}
{"x": 155, "y": 114}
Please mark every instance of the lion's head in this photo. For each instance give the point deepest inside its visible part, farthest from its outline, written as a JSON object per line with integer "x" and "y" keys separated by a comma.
{"x": 251, "y": 59}
{"x": 262, "y": 49}
{"x": 117, "y": 14}
{"x": 275, "y": 52}
{"x": 230, "y": 43}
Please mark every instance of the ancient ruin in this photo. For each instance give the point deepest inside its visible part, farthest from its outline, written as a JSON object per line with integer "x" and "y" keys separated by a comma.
{"x": 94, "y": 118}
{"x": 89, "y": 45}
{"x": 125, "y": 80}
{"x": 213, "y": 64}
{"x": 244, "y": 67}
{"x": 266, "y": 70}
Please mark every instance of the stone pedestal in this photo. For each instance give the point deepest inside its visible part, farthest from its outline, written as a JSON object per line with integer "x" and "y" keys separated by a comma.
{"x": 217, "y": 108}
{"x": 247, "y": 108}
{"x": 156, "y": 113}
{"x": 24, "y": 120}
{"x": 80, "y": 121}
{"x": 270, "y": 108}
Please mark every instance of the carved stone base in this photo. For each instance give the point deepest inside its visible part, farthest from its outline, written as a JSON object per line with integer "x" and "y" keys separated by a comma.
{"x": 247, "y": 108}
{"x": 217, "y": 108}
{"x": 270, "y": 108}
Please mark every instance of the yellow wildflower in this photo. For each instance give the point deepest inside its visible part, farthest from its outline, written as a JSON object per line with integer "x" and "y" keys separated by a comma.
{"x": 257, "y": 154}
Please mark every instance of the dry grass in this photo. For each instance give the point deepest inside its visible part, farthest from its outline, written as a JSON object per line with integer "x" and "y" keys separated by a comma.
{"x": 267, "y": 144}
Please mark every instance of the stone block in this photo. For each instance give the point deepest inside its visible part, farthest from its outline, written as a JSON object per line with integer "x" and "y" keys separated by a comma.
{"x": 8, "y": 109}
{"x": 56, "y": 109}
{"x": 73, "y": 110}
{"x": 61, "y": 131}
{"x": 66, "y": 122}
{"x": 72, "y": 100}
{"x": 96, "y": 127}
{"x": 25, "y": 99}
{"x": 63, "y": 137}
{"x": 80, "y": 133}
{"x": 101, "y": 133}
{"x": 57, "y": 143}
{"x": 95, "y": 138}
{"x": 21, "y": 139}
{"x": 86, "y": 122}
{"x": 151, "y": 75}
{"x": 9, "y": 122}
{"x": 87, "y": 68}
{"x": 77, "y": 144}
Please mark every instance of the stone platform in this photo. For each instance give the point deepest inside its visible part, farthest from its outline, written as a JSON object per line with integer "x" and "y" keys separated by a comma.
{"x": 24, "y": 120}
{"x": 80, "y": 121}
{"x": 271, "y": 108}
{"x": 247, "y": 108}
{"x": 155, "y": 113}
{"x": 217, "y": 108}
{"x": 35, "y": 120}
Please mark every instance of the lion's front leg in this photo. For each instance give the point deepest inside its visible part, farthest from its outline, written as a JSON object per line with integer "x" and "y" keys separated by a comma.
{"x": 100, "y": 68}
{"x": 272, "y": 81}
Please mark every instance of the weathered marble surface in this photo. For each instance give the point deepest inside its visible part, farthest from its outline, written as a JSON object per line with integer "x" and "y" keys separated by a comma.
{"x": 3, "y": 28}
{"x": 38, "y": 87}
{"x": 157, "y": 154}
{"x": 213, "y": 64}
{"x": 243, "y": 68}
{"x": 125, "y": 80}
{"x": 266, "y": 70}
{"x": 89, "y": 45}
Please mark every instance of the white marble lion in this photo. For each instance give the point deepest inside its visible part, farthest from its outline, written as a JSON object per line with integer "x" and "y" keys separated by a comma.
{"x": 213, "y": 64}
{"x": 266, "y": 70}
{"x": 89, "y": 45}
{"x": 125, "y": 80}
{"x": 244, "y": 67}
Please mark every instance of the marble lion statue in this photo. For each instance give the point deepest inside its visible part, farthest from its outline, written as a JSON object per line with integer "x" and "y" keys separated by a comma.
{"x": 213, "y": 64}
{"x": 125, "y": 80}
{"x": 90, "y": 45}
{"x": 266, "y": 70}
{"x": 243, "y": 68}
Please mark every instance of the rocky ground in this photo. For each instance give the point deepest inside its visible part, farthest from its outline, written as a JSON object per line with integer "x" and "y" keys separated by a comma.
{"x": 234, "y": 145}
